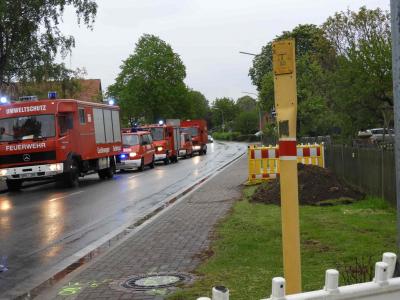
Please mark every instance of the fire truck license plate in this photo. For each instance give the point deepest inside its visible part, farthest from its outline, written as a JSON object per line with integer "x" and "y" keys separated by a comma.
{"x": 27, "y": 175}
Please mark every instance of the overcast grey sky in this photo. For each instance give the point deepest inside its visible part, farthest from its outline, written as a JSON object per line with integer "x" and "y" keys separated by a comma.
{"x": 208, "y": 35}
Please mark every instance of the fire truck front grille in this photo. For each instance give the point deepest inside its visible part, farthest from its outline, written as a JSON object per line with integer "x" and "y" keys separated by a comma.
{"x": 27, "y": 157}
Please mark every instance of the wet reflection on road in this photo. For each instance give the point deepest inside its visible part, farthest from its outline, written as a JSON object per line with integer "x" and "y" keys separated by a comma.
{"x": 42, "y": 225}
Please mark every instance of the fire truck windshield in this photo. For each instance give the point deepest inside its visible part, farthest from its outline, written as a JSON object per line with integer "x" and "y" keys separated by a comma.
{"x": 27, "y": 127}
{"x": 193, "y": 131}
{"x": 157, "y": 133}
{"x": 130, "y": 140}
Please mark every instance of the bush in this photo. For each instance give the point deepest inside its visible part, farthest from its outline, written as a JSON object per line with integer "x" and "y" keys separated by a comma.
{"x": 226, "y": 136}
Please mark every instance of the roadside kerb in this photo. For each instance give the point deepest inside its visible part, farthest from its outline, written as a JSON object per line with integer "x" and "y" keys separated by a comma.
{"x": 112, "y": 239}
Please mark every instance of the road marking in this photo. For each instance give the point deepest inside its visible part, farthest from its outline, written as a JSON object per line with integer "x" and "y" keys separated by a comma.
{"x": 133, "y": 176}
{"x": 65, "y": 196}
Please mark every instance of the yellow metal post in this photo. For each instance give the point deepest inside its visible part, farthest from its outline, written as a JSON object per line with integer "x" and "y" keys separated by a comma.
{"x": 286, "y": 109}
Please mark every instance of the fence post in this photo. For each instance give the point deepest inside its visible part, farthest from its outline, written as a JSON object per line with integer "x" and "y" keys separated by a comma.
{"x": 382, "y": 175}
{"x": 331, "y": 281}
{"x": 220, "y": 293}
{"x": 342, "y": 148}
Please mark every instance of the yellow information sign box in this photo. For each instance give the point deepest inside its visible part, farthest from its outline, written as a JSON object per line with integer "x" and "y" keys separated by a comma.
{"x": 283, "y": 57}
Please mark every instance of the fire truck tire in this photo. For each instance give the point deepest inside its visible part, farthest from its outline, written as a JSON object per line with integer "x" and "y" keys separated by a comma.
{"x": 107, "y": 173}
{"x": 14, "y": 185}
{"x": 71, "y": 179}
{"x": 152, "y": 163}
{"x": 141, "y": 168}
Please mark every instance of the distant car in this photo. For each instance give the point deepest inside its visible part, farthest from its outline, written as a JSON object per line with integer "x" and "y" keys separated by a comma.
{"x": 138, "y": 151}
{"x": 186, "y": 148}
{"x": 210, "y": 139}
{"x": 378, "y": 135}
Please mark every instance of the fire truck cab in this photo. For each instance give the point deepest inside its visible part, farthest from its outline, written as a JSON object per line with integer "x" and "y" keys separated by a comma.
{"x": 166, "y": 139}
{"x": 198, "y": 130}
{"x": 137, "y": 150}
{"x": 186, "y": 149}
{"x": 57, "y": 138}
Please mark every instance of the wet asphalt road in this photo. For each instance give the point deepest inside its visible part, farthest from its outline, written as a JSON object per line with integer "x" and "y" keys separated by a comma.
{"x": 42, "y": 226}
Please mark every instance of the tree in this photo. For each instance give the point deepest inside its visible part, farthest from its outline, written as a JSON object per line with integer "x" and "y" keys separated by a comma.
{"x": 314, "y": 57}
{"x": 247, "y": 122}
{"x": 150, "y": 85}
{"x": 309, "y": 39}
{"x": 30, "y": 37}
{"x": 224, "y": 112}
{"x": 246, "y": 103}
{"x": 199, "y": 107}
{"x": 361, "y": 87}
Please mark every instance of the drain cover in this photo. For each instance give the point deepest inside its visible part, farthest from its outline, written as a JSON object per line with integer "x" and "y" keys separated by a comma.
{"x": 155, "y": 281}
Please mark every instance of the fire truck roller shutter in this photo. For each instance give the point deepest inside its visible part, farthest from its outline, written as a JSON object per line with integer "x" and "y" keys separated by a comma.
{"x": 116, "y": 126}
{"x": 99, "y": 130}
{"x": 108, "y": 126}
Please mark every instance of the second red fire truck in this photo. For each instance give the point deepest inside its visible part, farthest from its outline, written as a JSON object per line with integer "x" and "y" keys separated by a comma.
{"x": 166, "y": 139}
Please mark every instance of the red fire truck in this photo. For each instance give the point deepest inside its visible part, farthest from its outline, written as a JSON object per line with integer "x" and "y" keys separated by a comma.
{"x": 198, "y": 130}
{"x": 166, "y": 139}
{"x": 59, "y": 138}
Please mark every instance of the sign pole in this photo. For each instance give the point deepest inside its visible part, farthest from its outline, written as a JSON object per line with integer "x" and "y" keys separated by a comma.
{"x": 286, "y": 109}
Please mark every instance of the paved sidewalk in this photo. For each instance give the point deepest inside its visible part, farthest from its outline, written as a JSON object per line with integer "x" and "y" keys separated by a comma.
{"x": 170, "y": 243}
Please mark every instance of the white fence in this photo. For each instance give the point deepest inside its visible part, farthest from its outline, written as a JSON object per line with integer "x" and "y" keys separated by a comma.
{"x": 382, "y": 287}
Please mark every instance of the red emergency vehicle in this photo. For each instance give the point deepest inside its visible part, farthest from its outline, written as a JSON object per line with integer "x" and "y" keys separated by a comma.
{"x": 198, "y": 130}
{"x": 137, "y": 150}
{"x": 166, "y": 139}
{"x": 186, "y": 149}
{"x": 61, "y": 138}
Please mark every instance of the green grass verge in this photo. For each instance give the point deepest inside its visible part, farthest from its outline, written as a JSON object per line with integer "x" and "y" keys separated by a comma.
{"x": 247, "y": 251}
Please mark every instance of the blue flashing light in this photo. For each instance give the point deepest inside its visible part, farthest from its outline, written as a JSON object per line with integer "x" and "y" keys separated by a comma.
{"x": 123, "y": 156}
{"x": 161, "y": 122}
{"x": 3, "y": 100}
{"x": 111, "y": 102}
{"x": 52, "y": 95}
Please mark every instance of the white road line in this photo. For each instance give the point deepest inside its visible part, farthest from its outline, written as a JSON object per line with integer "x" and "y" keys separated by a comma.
{"x": 65, "y": 196}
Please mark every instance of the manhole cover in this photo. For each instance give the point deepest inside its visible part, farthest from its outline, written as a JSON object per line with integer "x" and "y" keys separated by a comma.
{"x": 155, "y": 281}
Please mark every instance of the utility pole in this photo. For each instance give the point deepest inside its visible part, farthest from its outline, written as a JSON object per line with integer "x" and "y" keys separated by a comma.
{"x": 395, "y": 20}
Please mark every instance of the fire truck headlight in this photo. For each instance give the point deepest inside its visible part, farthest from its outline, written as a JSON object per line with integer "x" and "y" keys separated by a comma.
{"x": 196, "y": 147}
{"x": 3, "y": 172}
{"x": 132, "y": 154}
{"x": 159, "y": 148}
{"x": 56, "y": 167}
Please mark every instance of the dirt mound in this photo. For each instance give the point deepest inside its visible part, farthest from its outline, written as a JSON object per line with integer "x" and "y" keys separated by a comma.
{"x": 315, "y": 185}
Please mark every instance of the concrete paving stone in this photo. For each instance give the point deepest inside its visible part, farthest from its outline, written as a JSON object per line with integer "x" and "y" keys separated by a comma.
{"x": 170, "y": 242}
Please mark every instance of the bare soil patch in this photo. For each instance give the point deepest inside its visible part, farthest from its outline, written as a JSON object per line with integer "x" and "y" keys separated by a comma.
{"x": 317, "y": 186}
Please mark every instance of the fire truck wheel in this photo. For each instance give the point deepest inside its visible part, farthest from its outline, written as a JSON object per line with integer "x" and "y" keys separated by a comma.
{"x": 71, "y": 179}
{"x": 14, "y": 185}
{"x": 141, "y": 168}
{"x": 107, "y": 173}
{"x": 152, "y": 163}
